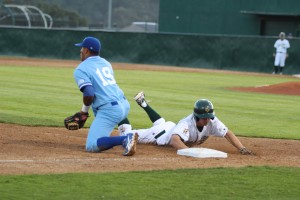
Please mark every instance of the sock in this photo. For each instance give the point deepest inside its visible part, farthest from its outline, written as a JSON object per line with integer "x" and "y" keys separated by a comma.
{"x": 280, "y": 69}
{"x": 153, "y": 115}
{"x": 105, "y": 143}
{"x": 275, "y": 69}
{"x": 144, "y": 104}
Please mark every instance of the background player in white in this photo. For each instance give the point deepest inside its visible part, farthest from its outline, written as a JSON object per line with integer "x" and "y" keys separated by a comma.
{"x": 191, "y": 130}
{"x": 281, "y": 45}
{"x": 95, "y": 79}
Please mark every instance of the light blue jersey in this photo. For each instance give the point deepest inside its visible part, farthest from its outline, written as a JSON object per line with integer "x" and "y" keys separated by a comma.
{"x": 109, "y": 105}
{"x": 97, "y": 71}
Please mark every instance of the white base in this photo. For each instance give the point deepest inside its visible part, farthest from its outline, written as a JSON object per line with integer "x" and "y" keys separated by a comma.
{"x": 297, "y": 75}
{"x": 202, "y": 153}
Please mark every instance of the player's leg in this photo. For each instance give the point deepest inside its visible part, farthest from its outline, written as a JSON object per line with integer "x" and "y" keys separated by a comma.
{"x": 99, "y": 135}
{"x": 101, "y": 128}
{"x": 152, "y": 114}
{"x": 128, "y": 142}
{"x": 158, "y": 134}
{"x": 276, "y": 63}
{"x": 281, "y": 70}
{"x": 124, "y": 127}
{"x": 275, "y": 69}
{"x": 282, "y": 63}
{"x": 164, "y": 137}
{"x": 105, "y": 143}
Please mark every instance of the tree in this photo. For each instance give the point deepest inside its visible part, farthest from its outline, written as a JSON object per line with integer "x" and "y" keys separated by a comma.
{"x": 61, "y": 17}
{"x": 78, "y": 13}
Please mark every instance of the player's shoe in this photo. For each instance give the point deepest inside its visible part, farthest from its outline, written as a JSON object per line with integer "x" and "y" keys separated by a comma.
{"x": 130, "y": 144}
{"x": 140, "y": 99}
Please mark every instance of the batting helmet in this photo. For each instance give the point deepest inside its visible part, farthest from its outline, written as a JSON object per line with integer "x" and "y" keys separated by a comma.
{"x": 203, "y": 108}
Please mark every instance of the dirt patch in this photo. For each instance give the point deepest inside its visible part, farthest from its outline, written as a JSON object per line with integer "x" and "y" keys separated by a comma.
{"x": 40, "y": 150}
{"x": 44, "y": 150}
{"x": 289, "y": 88}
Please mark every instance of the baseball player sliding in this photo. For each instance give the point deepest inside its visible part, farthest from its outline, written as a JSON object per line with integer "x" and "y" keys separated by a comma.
{"x": 193, "y": 129}
{"x": 281, "y": 45}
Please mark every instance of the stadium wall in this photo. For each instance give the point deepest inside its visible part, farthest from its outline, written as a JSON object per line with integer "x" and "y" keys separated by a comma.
{"x": 242, "y": 53}
{"x": 236, "y": 17}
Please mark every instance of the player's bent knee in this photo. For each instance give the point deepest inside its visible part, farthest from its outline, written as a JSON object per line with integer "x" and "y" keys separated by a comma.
{"x": 92, "y": 147}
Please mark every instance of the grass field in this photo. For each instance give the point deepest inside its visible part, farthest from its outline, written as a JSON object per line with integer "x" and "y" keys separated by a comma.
{"x": 45, "y": 96}
{"x": 261, "y": 183}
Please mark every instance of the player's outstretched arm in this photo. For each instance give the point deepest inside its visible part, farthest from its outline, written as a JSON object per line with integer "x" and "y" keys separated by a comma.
{"x": 230, "y": 136}
{"x": 177, "y": 143}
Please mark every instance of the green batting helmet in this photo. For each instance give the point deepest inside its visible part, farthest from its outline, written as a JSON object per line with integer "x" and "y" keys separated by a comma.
{"x": 203, "y": 108}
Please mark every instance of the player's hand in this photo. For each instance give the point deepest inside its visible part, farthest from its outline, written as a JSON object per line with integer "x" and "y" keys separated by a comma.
{"x": 245, "y": 151}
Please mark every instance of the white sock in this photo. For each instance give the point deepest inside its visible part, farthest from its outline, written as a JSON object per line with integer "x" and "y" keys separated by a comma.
{"x": 144, "y": 104}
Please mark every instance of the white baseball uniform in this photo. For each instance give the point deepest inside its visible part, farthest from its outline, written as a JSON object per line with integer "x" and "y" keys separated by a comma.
{"x": 158, "y": 134}
{"x": 281, "y": 52}
{"x": 161, "y": 131}
{"x": 189, "y": 133}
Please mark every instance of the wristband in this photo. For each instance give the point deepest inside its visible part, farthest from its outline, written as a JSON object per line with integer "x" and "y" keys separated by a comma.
{"x": 85, "y": 108}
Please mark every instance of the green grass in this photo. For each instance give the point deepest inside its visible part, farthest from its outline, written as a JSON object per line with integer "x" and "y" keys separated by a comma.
{"x": 45, "y": 96}
{"x": 217, "y": 183}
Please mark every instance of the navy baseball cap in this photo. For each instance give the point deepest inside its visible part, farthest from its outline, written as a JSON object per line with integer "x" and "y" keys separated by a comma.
{"x": 90, "y": 43}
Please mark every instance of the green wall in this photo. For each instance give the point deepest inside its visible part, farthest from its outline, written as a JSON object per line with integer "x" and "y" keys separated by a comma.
{"x": 225, "y": 17}
{"x": 242, "y": 53}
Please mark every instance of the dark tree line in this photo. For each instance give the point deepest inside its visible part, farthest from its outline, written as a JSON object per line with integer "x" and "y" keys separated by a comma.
{"x": 94, "y": 13}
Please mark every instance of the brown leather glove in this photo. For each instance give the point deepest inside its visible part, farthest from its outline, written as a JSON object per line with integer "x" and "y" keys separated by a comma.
{"x": 76, "y": 121}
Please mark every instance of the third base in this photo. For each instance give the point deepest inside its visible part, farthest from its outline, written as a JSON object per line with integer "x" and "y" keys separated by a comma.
{"x": 202, "y": 153}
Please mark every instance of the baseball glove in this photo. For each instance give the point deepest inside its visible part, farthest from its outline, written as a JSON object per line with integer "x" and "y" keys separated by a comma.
{"x": 245, "y": 151}
{"x": 76, "y": 121}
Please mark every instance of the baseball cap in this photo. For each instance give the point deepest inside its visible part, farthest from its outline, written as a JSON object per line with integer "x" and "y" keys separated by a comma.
{"x": 90, "y": 43}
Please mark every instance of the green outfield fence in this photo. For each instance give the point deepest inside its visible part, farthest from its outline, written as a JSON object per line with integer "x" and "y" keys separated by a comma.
{"x": 242, "y": 53}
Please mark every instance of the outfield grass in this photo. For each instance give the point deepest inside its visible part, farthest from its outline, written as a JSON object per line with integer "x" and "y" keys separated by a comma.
{"x": 259, "y": 183}
{"x": 45, "y": 96}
